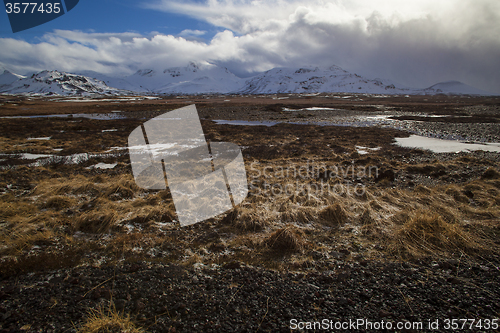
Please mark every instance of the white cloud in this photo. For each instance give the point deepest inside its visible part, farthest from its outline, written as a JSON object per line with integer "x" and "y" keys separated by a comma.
{"x": 189, "y": 32}
{"x": 417, "y": 43}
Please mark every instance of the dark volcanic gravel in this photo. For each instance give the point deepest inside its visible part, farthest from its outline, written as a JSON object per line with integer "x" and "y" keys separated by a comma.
{"x": 239, "y": 298}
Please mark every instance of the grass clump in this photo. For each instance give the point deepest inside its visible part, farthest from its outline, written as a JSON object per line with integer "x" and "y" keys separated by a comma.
{"x": 491, "y": 173}
{"x": 429, "y": 234}
{"x": 299, "y": 214}
{"x": 108, "y": 321}
{"x": 334, "y": 215}
{"x": 250, "y": 221}
{"x": 58, "y": 202}
{"x": 287, "y": 239}
{"x": 95, "y": 222}
{"x": 244, "y": 219}
{"x": 10, "y": 209}
{"x": 372, "y": 226}
{"x": 148, "y": 214}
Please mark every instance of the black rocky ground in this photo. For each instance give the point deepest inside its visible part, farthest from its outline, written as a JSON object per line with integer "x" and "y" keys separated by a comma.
{"x": 240, "y": 298}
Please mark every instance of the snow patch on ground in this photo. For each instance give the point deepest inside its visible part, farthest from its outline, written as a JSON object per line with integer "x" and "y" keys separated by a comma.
{"x": 245, "y": 123}
{"x": 28, "y": 156}
{"x": 104, "y": 166}
{"x": 365, "y": 150}
{"x": 445, "y": 146}
{"x": 311, "y": 109}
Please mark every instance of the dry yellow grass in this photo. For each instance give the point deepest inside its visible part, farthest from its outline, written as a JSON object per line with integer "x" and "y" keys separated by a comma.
{"x": 58, "y": 202}
{"x": 263, "y": 224}
{"x": 147, "y": 214}
{"x": 427, "y": 233}
{"x": 122, "y": 187}
{"x": 334, "y": 215}
{"x": 78, "y": 185}
{"x": 456, "y": 194}
{"x": 491, "y": 173}
{"x": 108, "y": 321}
{"x": 13, "y": 207}
{"x": 95, "y": 222}
{"x": 287, "y": 239}
{"x": 246, "y": 219}
{"x": 250, "y": 221}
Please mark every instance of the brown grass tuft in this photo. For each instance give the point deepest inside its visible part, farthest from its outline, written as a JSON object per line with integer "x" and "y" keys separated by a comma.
{"x": 95, "y": 222}
{"x": 245, "y": 219}
{"x": 372, "y": 226}
{"x": 287, "y": 239}
{"x": 152, "y": 213}
{"x": 334, "y": 215}
{"x": 58, "y": 202}
{"x": 250, "y": 221}
{"x": 400, "y": 218}
{"x": 118, "y": 192}
{"x": 26, "y": 263}
{"x": 298, "y": 214}
{"x": 231, "y": 216}
{"x": 447, "y": 213}
{"x": 367, "y": 217}
{"x": 108, "y": 321}
{"x": 491, "y": 173}
{"x": 422, "y": 189}
{"x": 456, "y": 194}
{"x": 428, "y": 234}
{"x": 13, "y": 209}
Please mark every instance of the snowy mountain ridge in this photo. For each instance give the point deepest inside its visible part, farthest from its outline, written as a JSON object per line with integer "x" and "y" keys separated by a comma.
{"x": 206, "y": 78}
{"x": 454, "y": 87}
{"x": 192, "y": 79}
{"x": 8, "y": 78}
{"x": 317, "y": 80}
{"x": 56, "y": 83}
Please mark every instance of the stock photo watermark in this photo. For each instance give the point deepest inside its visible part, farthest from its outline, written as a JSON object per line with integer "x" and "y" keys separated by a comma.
{"x": 205, "y": 179}
{"x": 310, "y": 178}
{"x": 27, "y": 15}
{"x": 383, "y": 325}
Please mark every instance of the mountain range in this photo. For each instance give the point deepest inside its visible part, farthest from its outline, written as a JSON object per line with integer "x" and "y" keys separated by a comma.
{"x": 208, "y": 78}
{"x": 47, "y": 83}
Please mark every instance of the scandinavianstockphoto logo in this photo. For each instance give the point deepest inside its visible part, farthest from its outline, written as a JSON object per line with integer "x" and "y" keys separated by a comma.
{"x": 205, "y": 179}
{"x": 26, "y": 15}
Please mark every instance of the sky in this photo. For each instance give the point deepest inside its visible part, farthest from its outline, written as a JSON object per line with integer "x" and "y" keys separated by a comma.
{"x": 415, "y": 43}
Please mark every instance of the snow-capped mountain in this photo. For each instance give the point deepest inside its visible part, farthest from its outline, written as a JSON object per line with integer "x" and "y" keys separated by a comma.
{"x": 195, "y": 78}
{"x": 317, "y": 80}
{"x": 8, "y": 78}
{"x": 58, "y": 83}
{"x": 192, "y": 79}
{"x": 118, "y": 82}
{"x": 454, "y": 88}
{"x": 206, "y": 78}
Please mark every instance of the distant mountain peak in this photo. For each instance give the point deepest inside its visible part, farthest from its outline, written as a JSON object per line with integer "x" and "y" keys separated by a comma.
{"x": 7, "y": 77}
{"x": 454, "y": 88}
{"x": 193, "y": 66}
{"x": 306, "y": 70}
{"x": 145, "y": 72}
{"x": 57, "y": 83}
{"x": 316, "y": 80}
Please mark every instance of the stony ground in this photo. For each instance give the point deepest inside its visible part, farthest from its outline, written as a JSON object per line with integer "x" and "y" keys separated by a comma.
{"x": 240, "y": 298}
